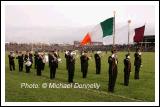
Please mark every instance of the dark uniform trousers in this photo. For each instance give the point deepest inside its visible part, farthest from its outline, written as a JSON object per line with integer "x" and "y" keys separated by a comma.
{"x": 137, "y": 68}
{"x": 66, "y": 64}
{"x": 35, "y": 60}
{"x": 20, "y": 66}
{"x": 39, "y": 66}
{"x": 20, "y": 62}
{"x": 11, "y": 62}
{"x": 98, "y": 67}
{"x": 126, "y": 78}
{"x": 39, "y": 72}
{"x": 66, "y": 56}
{"x": 98, "y": 63}
{"x": 43, "y": 65}
{"x": 12, "y": 66}
{"x": 112, "y": 74}
{"x": 127, "y": 70}
{"x": 49, "y": 59}
{"x": 53, "y": 66}
{"x": 137, "y": 64}
{"x": 28, "y": 69}
{"x": 85, "y": 69}
{"x": 84, "y": 65}
{"x": 71, "y": 68}
{"x": 52, "y": 71}
{"x": 112, "y": 80}
{"x": 35, "y": 63}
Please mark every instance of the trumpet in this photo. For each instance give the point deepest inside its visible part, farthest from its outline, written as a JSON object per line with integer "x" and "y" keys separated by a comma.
{"x": 60, "y": 60}
{"x": 74, "y": 54}
{"x": 87, "y": 55}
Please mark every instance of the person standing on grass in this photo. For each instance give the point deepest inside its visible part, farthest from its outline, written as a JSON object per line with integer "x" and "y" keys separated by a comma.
{"x": 137, "y": 63}
{"x": 127, "y": 69}
{"x": 97, "y": 62}
{"x": 66, "y": 56}
{"x": 20, "y": 58}
{"x": 53, "y": 65}
{"x": 84, "y": 59}
{"x": 49, "y": 58}
{"x": 39, "y": 64}
{"x": 43, "y": 60}
{"x": 31, "y": 59}
{"x": 71, "y": 67}
{"x": 11, "y": 61}
{"x": 35, "y": 59}
{"x": 28, "y": 62}
{"x": 56, "y": 54}
{"x": 113, "y": 61}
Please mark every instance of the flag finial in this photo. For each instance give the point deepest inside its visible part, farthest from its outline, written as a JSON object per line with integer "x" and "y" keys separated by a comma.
{"x": 129, "y": 21}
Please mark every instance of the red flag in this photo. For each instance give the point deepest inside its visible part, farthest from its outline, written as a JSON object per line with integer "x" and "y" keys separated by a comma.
{"x": 139, "y": 34}
{"x": 86, "y": 39}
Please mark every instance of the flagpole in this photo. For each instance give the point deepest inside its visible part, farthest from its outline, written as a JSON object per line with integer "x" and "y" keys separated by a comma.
{"x": 141, "y": 45}
{"x": 142, "y": 41}
{"x": 32, "y": 46}
{"x": 41, "y": 45}
{"x": 129, "y": 21}
{"x": 114, "y": 12}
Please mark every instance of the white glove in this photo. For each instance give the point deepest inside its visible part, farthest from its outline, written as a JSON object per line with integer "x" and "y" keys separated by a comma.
{"x": 128, "y": 57}
{"x": 113, "y": 56}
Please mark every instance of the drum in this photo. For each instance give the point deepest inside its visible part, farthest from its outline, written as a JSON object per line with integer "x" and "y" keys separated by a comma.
{"x": 28, "y": 63}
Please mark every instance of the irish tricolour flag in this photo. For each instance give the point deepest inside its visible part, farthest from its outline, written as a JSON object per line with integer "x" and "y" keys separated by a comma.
{"x": 100, "y": 31}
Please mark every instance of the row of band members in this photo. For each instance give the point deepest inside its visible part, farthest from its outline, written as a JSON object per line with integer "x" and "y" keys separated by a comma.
{"x": 40, "y": 58}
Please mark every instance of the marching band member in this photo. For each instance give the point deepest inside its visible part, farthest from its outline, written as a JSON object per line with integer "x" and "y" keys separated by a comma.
{"x": 57, "y": 56}
{"x": 81, "y": 58}
{"x": 20, "y": 58}
{"x": 137, "y": 63}
{"x": 31, "y": 58}
{"x": 43, "y": 60}
{"x": 98, "y": 62}
{"x": 66, "y": 56}
{"x": 127, "y": 69}
{"x": 49, "y": 58}
{"x": 113, "y": 61}
{"x": 28, "y": 62}
{"x": 35, "y": 59}
{"x": 53, "y": 64}
{"x": 71, "y": 66}
{"x": 39, "y": 64}
{"x": 11, "y": 61}
{"x": 84, "y": 59}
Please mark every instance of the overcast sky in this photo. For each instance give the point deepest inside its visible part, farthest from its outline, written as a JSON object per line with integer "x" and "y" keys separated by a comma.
{"x": 66, "y": 23}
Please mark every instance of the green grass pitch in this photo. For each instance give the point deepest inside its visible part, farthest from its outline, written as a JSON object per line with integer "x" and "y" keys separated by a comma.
{"x": 142, "y": 90}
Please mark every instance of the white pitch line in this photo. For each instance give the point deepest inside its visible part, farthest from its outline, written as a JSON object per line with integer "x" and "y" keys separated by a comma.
{"x": 112, "y": 94}
{"x": 115, "y": 95}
